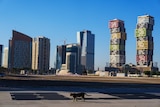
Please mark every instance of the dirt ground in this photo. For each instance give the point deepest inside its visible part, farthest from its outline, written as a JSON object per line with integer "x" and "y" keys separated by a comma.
{"x": 144, "y": 80}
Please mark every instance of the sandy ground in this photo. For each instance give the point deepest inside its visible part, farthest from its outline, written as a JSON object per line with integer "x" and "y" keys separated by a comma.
{"x": 86, "y": 79}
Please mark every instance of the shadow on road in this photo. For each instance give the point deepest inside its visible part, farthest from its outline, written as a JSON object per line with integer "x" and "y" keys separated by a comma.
{"x": 56, "y": 96}
{"x": 37, "y": 96}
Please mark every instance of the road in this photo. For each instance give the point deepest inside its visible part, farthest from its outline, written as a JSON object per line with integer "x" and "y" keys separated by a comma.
{"x": 53, "y": 91}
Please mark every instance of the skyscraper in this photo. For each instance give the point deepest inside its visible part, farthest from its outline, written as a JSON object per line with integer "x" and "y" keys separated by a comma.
{"x": 1, "y": 51}
{"x": 40, "y": 54}
{"x": 143, "y": 32}
{"x": 5, "y": 57}
{"x": 73, "y": 58}
{"x": 87, "y": 41}
{"x": 20, "y": 50}
{"x": 60, "y": 56}
{"x": 117, "y": 43}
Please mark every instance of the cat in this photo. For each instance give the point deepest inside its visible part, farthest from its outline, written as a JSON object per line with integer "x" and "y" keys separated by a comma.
{"x": 78, "y": 95}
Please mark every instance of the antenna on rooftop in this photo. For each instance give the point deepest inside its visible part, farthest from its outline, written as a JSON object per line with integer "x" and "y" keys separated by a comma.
{"x": 65, "y": 41}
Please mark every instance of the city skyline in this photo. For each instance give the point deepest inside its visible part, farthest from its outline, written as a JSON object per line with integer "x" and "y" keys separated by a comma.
{"x": 59, "y": 20}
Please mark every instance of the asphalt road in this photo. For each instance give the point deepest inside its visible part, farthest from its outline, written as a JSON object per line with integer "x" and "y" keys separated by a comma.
{"x": 53, "y": 91}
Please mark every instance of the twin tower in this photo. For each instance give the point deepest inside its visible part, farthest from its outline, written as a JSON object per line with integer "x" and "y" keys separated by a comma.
{"x": 144, "y": 42}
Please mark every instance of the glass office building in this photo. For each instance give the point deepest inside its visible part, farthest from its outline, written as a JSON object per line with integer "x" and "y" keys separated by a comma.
{"x": 20, "y": 51}
{"x": 73, "y": 58}
{"x": 87, "y": 42}
{"x": 60, "y": 56}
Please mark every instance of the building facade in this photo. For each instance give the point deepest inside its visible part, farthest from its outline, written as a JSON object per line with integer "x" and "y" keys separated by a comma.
{"x": 87, "y": 42}
{"x": 73, "y": 58}
{"x": 5, "y": 57}
{"x": 144, "y": 41}
{"x": 1, "y": 52}
{"x": 40, "y": 54}
{"x": 60, "y": 56}
{"x": 20, "y": 51}
{"x": 117, "y": 43}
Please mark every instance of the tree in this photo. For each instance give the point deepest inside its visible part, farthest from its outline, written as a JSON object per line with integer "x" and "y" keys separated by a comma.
{"x": 158, "y": 73}
{"x": 126, "y": 68}
{"x": 148, "y": 73}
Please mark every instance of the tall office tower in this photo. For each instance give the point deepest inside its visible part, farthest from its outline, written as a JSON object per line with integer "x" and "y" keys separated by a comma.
{"x": 60, "y": 56}
{"x": 5, "y": 57}
{"x": 40, "y": 54}
{"x": 20, "y": 51}
{"x": 1, "y": 52}
{"x": 117, "y": 43}
{"x": 73, "y": 58}
{"x": 86, "y": 40}
{"x": 143, "y": 32}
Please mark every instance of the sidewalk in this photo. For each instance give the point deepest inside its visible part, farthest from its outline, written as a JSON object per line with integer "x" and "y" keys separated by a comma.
{"x": 62, "y": 99}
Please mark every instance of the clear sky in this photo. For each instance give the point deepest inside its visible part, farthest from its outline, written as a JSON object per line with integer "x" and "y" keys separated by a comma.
{"x": 59, "y": 20}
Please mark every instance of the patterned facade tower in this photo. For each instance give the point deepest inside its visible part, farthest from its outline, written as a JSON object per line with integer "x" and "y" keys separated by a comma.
{"x": 117, "y": 43}
{"x": 143, "y": 32}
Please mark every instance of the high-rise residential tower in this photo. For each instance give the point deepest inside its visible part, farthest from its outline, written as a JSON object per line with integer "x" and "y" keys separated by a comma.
{"x": 1, "y": 52}
{"x": 143, "y": 32}
{"x": 5, "y": 57}
{"x": 60, "y": 56}
{"x": 87, "y": 41}
{"x": 20, "y": 51}
{"x": 117, "y": 43}
{"x": 40, "y": 54}
{"x": 73, "y": 58}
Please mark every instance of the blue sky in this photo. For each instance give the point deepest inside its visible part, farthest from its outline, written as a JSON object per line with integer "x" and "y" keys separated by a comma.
{"x": 59, "y": 20}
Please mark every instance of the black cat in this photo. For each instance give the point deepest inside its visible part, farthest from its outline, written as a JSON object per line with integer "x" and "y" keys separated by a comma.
{"x": 78, "y": 95}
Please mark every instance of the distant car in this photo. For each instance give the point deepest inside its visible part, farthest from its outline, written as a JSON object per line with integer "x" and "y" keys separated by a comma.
{"x": 2, "y": 74}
